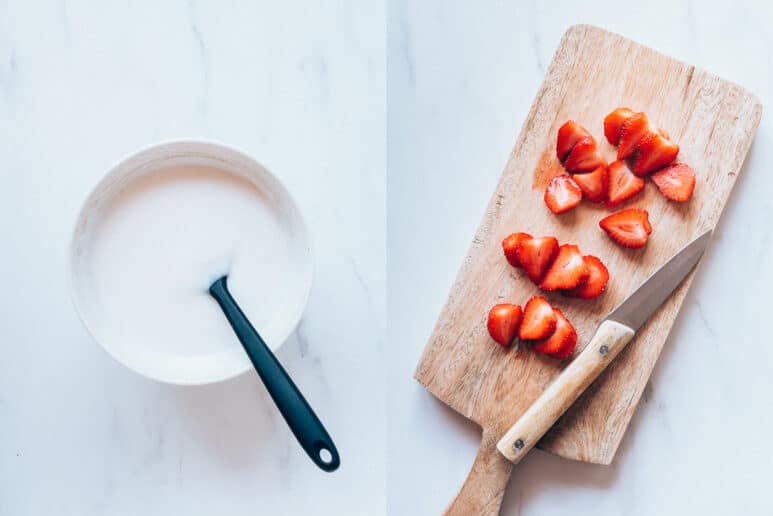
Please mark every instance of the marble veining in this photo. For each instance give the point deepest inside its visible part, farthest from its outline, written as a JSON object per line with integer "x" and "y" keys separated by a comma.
{"x": 448, "y": 141}
{"x": 298, "y": 85}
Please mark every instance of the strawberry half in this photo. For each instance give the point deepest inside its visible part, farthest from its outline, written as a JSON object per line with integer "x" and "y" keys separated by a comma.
{"x": 585, "y": 156}
{"x": 614, "y": 121}
{"x": 675, "y": 182}
{"x": 655, "y": 151}
{"x": 539, "y": 320}
{"x": 623, "y": 184}
{"x": 628, "y": 228}
{"x": 593, "y": 184}
{"x": 503, "y": 322}
{"x": 631, "y": 133}
{"x": 563, "y": 340}
{"x": 567, "y": 271}
{"x": 535, "y": 256}
{"x": 597, "y": 280}
{"x": 510, "y": 245}
{"x": 562, "y": 194}
{"x": 568, "y": 135}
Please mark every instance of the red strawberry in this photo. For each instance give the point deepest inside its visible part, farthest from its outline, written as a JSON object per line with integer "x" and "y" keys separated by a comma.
{"x": 631, "y": 133}
{"x": 655, "y": 151}
{"x": 567, "y": 271}
{"x": 597, "y": 280}
{"x": 676, "y": 182}
{"x": 563, "y": 340}
{"x": 562, "y": 194}
{"x": 585, "y": 156}
{"x": 535, "y": 256}
{"x": 628, "y": 228}
{"x": 593, "y": 184}
{"x": 622, "y": 183}
{"x": 510, "y": 245}
{"x": 539, "y": 320}
{"x": 568, "y": 135}
{"x": 614, "y": 121}
{"x": 503, "y": 321}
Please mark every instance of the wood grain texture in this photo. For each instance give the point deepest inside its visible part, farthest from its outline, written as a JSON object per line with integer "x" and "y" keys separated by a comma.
{"x": 485, "y": 485}
{"x": 592, "y": 72}
{"x": 610, "y": 339}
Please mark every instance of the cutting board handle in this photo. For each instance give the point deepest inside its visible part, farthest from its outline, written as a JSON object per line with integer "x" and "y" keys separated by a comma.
{"x": 484, "y": 488}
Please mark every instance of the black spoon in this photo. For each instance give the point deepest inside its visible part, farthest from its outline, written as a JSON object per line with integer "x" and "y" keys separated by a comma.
{"x": 294, "y": 408}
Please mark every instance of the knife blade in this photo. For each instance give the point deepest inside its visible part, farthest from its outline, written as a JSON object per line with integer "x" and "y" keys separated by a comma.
{"x": 612, "y": 335}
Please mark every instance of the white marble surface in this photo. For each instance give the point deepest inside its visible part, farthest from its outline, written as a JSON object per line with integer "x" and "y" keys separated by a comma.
{"x": 301, "y": 87}
{"x": 462, "y": 76}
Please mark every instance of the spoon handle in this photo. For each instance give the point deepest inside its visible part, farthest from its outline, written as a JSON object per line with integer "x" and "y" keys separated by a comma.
{"x": 300, "y": 417}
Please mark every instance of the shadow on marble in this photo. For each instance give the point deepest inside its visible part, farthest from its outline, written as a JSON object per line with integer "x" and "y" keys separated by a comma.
{"x": 237, "y": 419}
{"x": 540, "y": 469}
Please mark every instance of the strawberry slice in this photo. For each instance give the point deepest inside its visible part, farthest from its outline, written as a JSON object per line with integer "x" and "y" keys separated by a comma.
{"x": 585, "y": 156}
{"x": 675, "y": 182}
{"x": 510, "y": 245}
{"x": 614, "y": 121}
{"x": 503, "y": 322}
{"x": 597, "y": 280}
{"x": 563, "y": 340}
{"x": 628, "y": 228}
{"x": 539, "y": 319}
{"x": 655, "y": 151}
{"x": 631, "y": 133}
{"x": 567, "y": 271}
{"x": 593, "y": 184}
{"x": 623, "y": 184}
{"x": 562, "y": 194}
{"x": 535, "y": 256}
{"x": 568, "y": 135}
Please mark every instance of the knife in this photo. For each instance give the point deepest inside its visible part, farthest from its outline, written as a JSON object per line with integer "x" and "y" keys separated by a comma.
{"x": 613, "y": 334}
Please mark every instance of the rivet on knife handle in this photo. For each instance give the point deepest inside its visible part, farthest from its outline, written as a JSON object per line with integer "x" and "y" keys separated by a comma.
{"x": 609, "y": 340}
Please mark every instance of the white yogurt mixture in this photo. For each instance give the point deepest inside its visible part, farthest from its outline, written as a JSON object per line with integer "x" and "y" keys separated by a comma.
{"x": 163, "y": 240}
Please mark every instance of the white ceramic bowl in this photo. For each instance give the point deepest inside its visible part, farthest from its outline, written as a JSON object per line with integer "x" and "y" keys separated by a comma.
{"x": 180, "y": 364}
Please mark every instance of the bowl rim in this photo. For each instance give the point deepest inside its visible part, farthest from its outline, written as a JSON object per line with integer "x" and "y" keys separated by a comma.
{"x": 216, "y": 149}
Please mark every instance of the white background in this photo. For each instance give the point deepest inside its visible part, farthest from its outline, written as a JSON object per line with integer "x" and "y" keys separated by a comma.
{"x": 462, "y": 76}
{"x": 302, "y": 86}
{"x": 298, "y": 85}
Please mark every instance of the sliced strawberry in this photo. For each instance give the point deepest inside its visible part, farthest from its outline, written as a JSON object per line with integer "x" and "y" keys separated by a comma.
{"x": 539, "y": 320}
{"x": 570, "y": 341}
{"x": 623, "y": 184}
{"x": 597, "y": 280}
{"x": 535, "y": 256}
{"x": 628, "y": 228}
{"x": 562, "y": 194}
{"x": 503, "y": 322}
{"x": 614, "y": 121}
{"x": 567, "y": 271}
{"x": 593, "y": 184}
{"x": 563, "y": 340}
{"x": 675, "y": 182}
{"x": 631, "y": 133}
{"x": 510, "y": 245}
{"x": 585, "y": 156}
{"x": 568, "y": 135}
{"x": 655, "y": 151}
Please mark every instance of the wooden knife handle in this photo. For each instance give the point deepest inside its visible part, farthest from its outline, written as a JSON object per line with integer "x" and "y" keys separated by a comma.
{"x": 609, "y": 340}
{"x": 484, "y": 488}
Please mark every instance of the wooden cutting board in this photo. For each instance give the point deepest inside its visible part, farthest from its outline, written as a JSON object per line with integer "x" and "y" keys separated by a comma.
{"x": 592, "y": 73}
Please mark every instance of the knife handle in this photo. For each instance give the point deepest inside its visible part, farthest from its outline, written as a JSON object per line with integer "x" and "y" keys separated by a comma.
{"x": 609, "y": 340}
